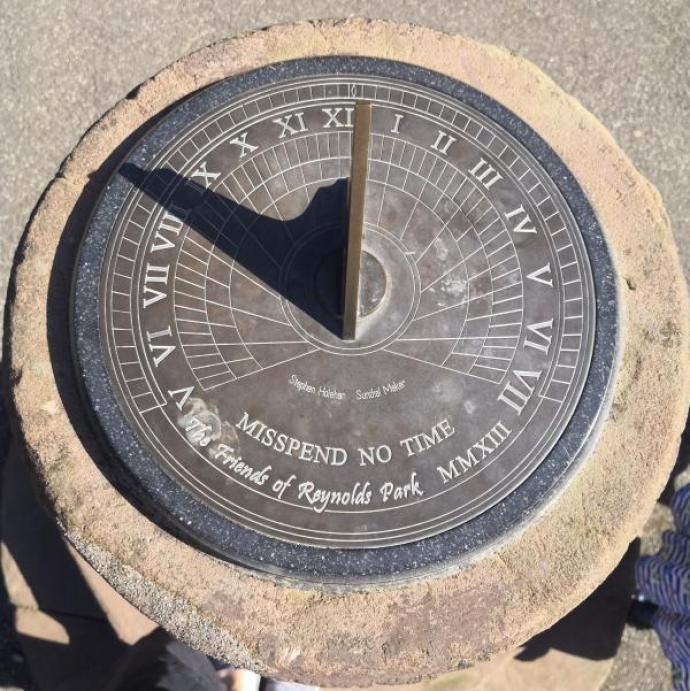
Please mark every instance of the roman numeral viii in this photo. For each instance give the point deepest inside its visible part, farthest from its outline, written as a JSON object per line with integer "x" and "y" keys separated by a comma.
{"x": 155, "y": 284}
{"x": 519, "y": 390}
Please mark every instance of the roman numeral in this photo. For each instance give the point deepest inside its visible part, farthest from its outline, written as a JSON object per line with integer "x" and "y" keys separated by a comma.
{"x": 543, "y": 339}
{"x": 443, "y": 142}
{"x": 288, "y": 129}
{"x": 396, "y": 125}
{"x": 542, "y": 275}
{"x": 524, "y": 223}
{"x": 516, "y": 395}
{"x": 153, "y": 277}
{"x": 170, "y": 224}
{"x": 180, "y": 396}
{"x": 486, "y": 446}
{"x": 203, "y": 173}
{"x": 241, "y": 141}
{"x": 334, "y": 117}
{"x": 498, "y": 433}
{"x": 160, "y": 351}
{"x": 485, "y": 173}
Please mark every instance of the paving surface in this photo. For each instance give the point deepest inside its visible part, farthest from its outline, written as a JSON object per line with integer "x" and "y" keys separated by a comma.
{"x": 65, "y": 63}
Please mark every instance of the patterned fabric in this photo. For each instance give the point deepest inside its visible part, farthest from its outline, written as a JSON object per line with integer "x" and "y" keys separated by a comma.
{"x": 665, "y": 580}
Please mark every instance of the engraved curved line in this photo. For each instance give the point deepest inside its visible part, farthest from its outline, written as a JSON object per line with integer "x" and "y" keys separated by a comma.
{"x": 495, "y": 347}
{"x": 460, "y": 263}
{"x": 491, "y": 207}
{"x": 204, "y": 322}
{"x": 193, "y": 256}
{"x": 200, "y": 355}
{"x": 210, "y": 252}
{"x": 438, "y": 235}
{"x": 493, "y": 357}
{"x": 206, "y": 345}
{"x": 178, "y": 320}
{"x": 302, "y": 342}
{"x": 228, "y": 370}
{"x": 204, "y": 276}
{"x": 443, "y": 193}
{"x": 493, "y": 369}
{"x": 486, "y": 227}
{"x": 427, "y": 182}
{"x": 389, "y": 167}
{"x": 186, "y": 307}
{"x": 514, "y": 297}
{"x": 259, "y": 316}
{"x": 273, "y": 203}
{"x": 493, "y": 314}
{"x": 498, "y": 314}
{"x": 430, "y": 338}
{"x": 265, "y": 288}
{"x": 488, "y": 269}
{"x": 221, "y": 363}
{"x": 467, "y": 301}
{"x": 300, "y": 164}
{"x": 196, "y": 297}
{"x": 486, "y": 335}
{"x": 247, "y": 230}
{"x": 281, "y": 172}
{"x": 239, "y": 333}
{"x": 435, "y": 364}
{"x": 267, "y": 367}
{"x": 419, "y": 195}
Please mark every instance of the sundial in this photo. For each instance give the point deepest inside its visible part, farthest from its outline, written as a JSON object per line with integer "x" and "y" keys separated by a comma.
{"x": 350, "y": 338}
{"x": 343, "y": 305}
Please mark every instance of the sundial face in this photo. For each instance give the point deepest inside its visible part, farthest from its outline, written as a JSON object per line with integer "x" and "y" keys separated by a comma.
{"x": 208, "y": 320}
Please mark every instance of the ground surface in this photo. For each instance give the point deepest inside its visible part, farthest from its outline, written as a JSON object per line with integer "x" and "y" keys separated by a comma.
{"x": 64, "y": 63}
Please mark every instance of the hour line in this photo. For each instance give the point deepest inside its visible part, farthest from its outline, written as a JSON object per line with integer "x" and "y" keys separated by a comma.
{"x": 498, "y": 314}
{"x": 256, "y": 283}
{"x": 465, "y": 301}
{"x": 206, "y": 301}
{"x": 443, "y": 367}
{"x": 259, "y": 316}
{"x": 442, "y": 276}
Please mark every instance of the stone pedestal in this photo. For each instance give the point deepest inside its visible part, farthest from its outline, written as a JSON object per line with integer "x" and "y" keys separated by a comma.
{"x": 402, "y": 632}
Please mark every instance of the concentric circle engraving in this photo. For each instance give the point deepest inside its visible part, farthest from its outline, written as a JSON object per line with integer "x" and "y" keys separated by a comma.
{"x": 218, "y": 307}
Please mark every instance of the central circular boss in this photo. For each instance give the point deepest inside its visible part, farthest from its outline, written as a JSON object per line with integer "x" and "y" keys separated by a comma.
{"x": 312, "y": 291}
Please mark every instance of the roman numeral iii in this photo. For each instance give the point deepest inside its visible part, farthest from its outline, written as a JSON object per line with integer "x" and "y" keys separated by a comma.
{"x": 485, "y": 173}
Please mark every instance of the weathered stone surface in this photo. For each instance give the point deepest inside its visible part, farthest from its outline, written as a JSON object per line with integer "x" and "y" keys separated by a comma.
{"x": 41, "y": 572}
{"x": 505, "y": 671}
{"x": 397, "y": 633}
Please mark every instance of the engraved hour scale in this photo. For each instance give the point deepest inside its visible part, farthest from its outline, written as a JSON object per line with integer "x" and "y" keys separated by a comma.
{"x": 343, "y": 307}
{"x": 350, "y": 339}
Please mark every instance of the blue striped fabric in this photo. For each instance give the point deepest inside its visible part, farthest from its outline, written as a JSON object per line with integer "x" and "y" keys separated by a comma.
{"x": 665, "y": 580}
{"x": 681, "y": 510}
